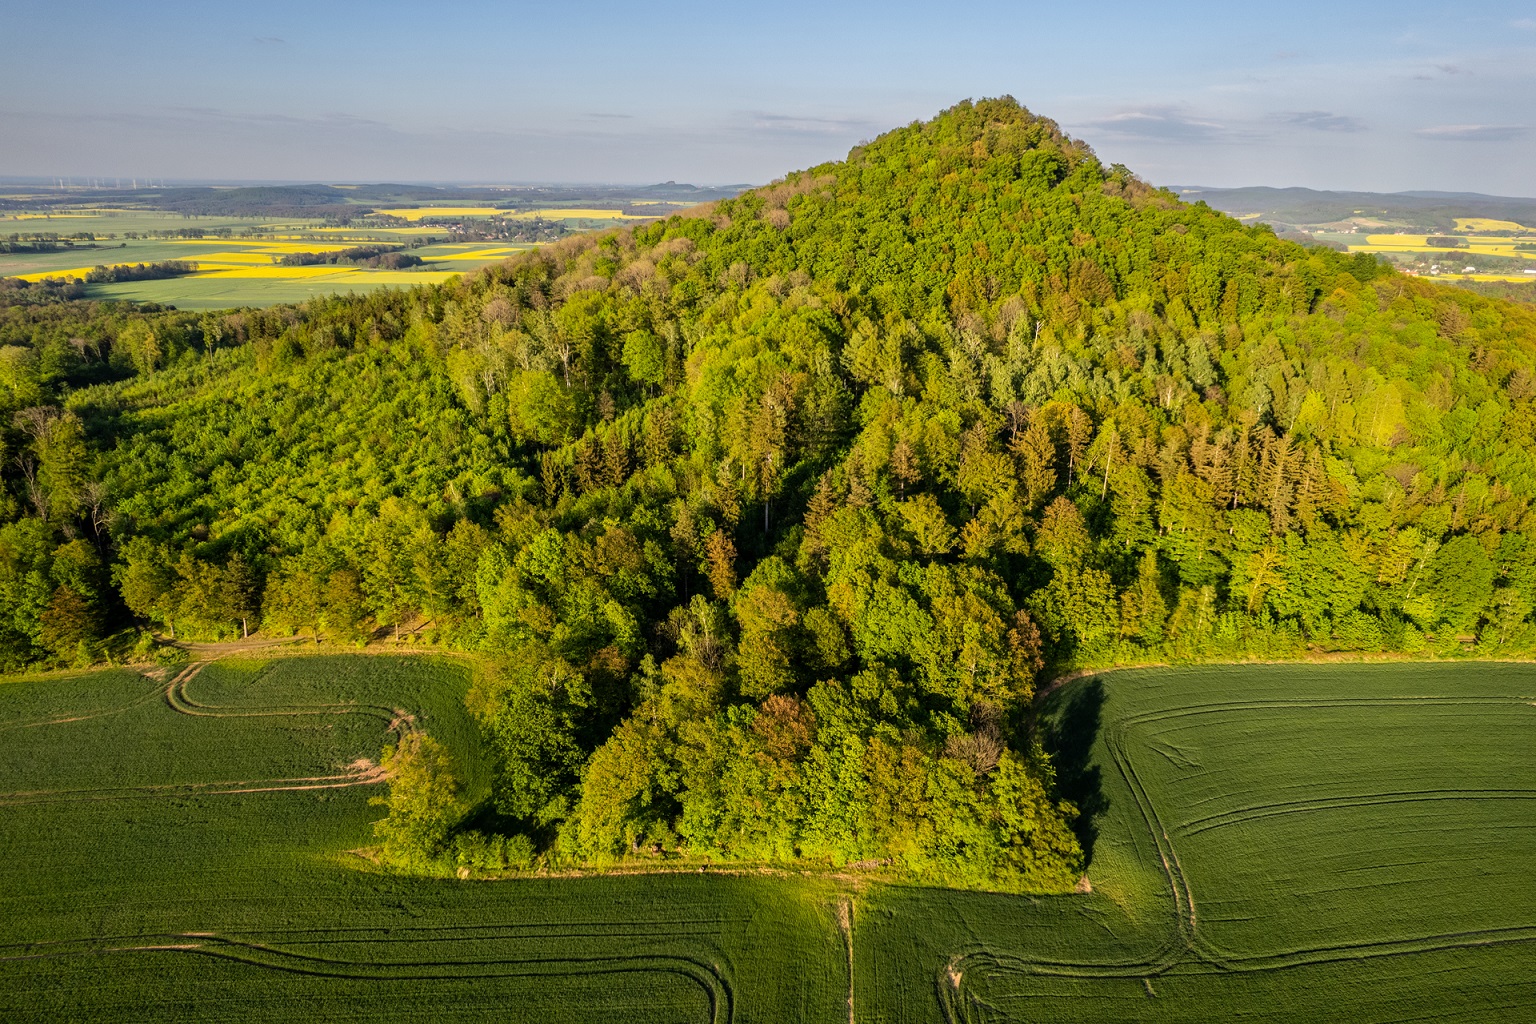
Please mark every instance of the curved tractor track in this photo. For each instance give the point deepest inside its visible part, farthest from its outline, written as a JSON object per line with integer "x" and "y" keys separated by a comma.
{"x": 398, "y": 721}
{"x": 360, "y": 772}
{"x": 708, "y": 977}
{"x": 612, "y": 953}
{"x": 1185, "y": 947}
{"x": 157, "y": 690}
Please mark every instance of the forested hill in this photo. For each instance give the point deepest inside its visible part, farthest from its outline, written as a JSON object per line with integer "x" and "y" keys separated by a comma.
{"x": 775, "y": 513}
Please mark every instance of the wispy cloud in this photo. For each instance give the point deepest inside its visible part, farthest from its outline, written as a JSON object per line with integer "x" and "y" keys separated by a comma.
{"x": 1323, "y": 121}
{"x": 1160, "y": 123}
{"x": 1524, "y": 24}
{"x": 270, "y": 41}
{"x": 1441, "y": 71}
{"x": 1474, "y": 132}
{"x": 798, "y": 124}
{"x": 214, "y": 116}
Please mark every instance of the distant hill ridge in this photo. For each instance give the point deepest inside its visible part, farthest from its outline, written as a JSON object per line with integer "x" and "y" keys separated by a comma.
{"x": 326, "y": 200}
{"x": 1307, "y": 207}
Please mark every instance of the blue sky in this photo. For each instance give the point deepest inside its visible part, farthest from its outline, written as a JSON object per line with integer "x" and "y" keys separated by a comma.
{"x": 1374, "y": 96}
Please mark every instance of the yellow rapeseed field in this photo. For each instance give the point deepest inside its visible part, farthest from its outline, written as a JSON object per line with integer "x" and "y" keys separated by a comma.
{"x": 476, "y": 254}
{"x": 270, "y": 248}
{"x": 577, "y": 214}
{"x": 1485, "y": 277}
{"x": 404, "y": 278}
{"x": 1419, "y": 244}
{"x": 420, "y": 212}
{"x": 272, "y": 271}
{"x": 72, "y": 272}
{"x": 1486, "y": 224}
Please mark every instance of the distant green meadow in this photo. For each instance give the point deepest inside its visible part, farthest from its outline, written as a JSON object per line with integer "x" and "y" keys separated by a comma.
{"x": 240, "y": 269}
{"x": 1307, "y": 843}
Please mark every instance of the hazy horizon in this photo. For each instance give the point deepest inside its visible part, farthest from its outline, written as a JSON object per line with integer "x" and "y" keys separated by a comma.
{"x": 107, "y": 184}
{"x": 1377, "y": 97}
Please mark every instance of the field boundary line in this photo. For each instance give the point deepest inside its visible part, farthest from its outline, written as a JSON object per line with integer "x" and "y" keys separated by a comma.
{"x": 845, "y": 926}
{"x": 1071, "y": 675}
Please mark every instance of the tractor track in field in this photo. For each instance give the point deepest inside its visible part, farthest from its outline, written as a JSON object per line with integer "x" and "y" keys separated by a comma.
{"x": 676, "y": 958}
{"x": 1186, "y": 949}
{"x": 1351, "y": 951}
{"x": 1258, "y": 811}
{"x": 360, "y": 772}
{"x": 176, "y": 696}
{"x": 1178, "y": 948}
{"x": 1193, "y": 710}
{"x": 363, "y": 773}
{"x": 710, "y": 979}
{"x": 144, "y": 698}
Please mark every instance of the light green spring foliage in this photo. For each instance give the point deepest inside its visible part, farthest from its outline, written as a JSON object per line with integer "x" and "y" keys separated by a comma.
{"x": 423, "y": 799}
{"x": 775, "y": 511}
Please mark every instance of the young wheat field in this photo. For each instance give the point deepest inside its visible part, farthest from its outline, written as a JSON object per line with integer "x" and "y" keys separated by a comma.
{"x": 1307, "y": 843}
{"x": 178, "y": 849}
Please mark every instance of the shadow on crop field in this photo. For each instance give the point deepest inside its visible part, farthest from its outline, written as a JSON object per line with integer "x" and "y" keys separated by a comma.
{"x": 1071, "y": 729}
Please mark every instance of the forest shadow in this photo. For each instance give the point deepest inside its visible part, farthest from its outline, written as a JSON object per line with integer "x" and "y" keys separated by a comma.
{"x": 483, "y": 817}
{"x": 1069, "y": 735}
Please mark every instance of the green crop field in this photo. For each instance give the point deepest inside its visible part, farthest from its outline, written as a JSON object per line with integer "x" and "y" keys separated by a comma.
{"x": 177, "y": 849}
{"x": 238, "y": 267}
{"x": 1348, "y": 844}
{"x": 1306, "y": 843}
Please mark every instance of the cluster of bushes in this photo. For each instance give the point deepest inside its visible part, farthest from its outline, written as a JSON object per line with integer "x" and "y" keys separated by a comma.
{"x": 16, "y": 292}
{"x": 139, "y": 271}
{"x": 387, "y": 257}
{"x": 49, "y": 242}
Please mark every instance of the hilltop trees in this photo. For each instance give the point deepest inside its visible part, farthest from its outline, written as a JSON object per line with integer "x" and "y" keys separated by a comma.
{"x": 775, "y": 512}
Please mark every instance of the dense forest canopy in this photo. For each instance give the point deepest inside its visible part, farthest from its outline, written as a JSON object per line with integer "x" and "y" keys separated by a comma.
{"x": 773, "y": 514}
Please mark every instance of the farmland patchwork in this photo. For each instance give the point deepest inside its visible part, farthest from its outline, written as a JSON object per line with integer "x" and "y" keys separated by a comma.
{"x": 1278, "y": 843}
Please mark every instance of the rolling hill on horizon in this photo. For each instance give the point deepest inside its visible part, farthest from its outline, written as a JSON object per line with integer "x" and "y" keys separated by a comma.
{"x": 1434, "y": 211}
